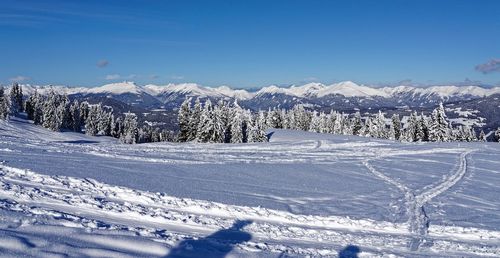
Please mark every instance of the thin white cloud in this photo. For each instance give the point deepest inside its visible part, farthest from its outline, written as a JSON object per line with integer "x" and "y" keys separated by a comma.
{"x": 176, "y": 77}
{"x": 19, "y": 78}
{"x": 112, "y": 77}
{"x": 311, "y": 79}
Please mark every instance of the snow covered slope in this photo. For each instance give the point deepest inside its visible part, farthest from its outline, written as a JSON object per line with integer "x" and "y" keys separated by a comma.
{"x": 345, "y": 96}
{"x": 302, "y": 194}
{"x": 310, "y": 90}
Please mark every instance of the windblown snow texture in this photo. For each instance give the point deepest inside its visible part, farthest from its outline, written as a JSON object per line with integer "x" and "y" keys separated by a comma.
{"x": 302, "y": 194}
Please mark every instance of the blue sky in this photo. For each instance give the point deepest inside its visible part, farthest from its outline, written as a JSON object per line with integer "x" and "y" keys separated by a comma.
{"x": 249, "y": 43}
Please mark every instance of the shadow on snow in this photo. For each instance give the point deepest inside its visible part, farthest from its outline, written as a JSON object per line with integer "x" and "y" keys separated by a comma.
{"x": 350, "y": 251}
{"x": 216, "y": 245}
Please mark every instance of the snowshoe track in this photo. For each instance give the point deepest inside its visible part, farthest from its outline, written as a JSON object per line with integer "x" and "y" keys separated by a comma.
{"x": 418, "y": 221}
{"x": 94, "y": 205}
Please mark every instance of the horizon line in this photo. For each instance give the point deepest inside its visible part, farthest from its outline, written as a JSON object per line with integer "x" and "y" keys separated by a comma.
{"x": 284, "y": 86}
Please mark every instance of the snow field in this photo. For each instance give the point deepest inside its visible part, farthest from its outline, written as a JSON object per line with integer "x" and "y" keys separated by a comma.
{"x": 302, "y": 194}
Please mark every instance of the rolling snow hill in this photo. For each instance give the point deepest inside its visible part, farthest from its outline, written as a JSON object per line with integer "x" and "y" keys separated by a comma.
{"x": 302, "y": 194}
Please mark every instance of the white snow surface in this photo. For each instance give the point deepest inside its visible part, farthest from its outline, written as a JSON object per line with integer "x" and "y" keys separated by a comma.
{"x": 302, "y": 194}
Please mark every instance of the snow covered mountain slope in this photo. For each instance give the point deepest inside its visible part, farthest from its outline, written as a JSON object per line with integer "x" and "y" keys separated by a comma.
{"x": 117, "y": 89}
{"x": 302, "y": 194}
{"x": 346, "y": 97}
{"x": 351, "y": 89}
{"x": 309, "y": 91}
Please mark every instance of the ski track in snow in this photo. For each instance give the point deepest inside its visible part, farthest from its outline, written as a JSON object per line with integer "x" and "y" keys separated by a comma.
{"x": 109, "y": 219}
{"x": 89, "y": 204}
{"x": 417, "y": 218}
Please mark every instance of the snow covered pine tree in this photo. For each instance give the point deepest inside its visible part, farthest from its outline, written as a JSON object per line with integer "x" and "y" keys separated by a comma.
{"x": 4, "y": 105}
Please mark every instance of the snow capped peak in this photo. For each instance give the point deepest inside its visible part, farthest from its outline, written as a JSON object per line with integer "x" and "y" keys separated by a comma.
{"x": 117, "y": 88}
{"x": 182, "y": 88}
{"x": 442, "y": 91}
{"x": 351, "y": 89}
{"x": 272, "y": 89}
{"x": 194, "y": 89}
{"x": 347, "y": 89}
{"x": 309, "y": 89}
{"x": 186, "y": 87}
{"x": 233, "y": 93}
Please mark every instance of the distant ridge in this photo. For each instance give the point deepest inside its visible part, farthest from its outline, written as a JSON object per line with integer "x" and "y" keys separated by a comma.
{"x": 309, "y": 90}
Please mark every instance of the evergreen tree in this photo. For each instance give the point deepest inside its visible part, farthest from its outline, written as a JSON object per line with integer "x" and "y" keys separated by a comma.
{"x": 457, "y": 134}
{"x": 155, "y": 135}
{"x": 51, "y": 116}
{"x": 439, "y": 128}
{"x": 130, "y": 131}
{"x": 19, "y": 98}
{"x": 205, "y": 126}
{"x": 347, "y": 126}
{"x": 330, "y": 124}
{"x": 323, "y": 124}
{"x": 379, "y": 126}
{"x": 104, "y": 123}
{"x": 84, "y": 111}
{"x": 423, "y": 127}
{"x": 274, "y": 118}
{"x": 237, "y": 126}
{"x": 366, "y": 129}
{"x": 224, "y": 113}
{"x": 482, "y": 136}
{"x": 16, "y": 99}
{"x": 117, "y": 130}
{"x": 184, "y": 120}
{"x": 301, "y": 118}
{"x": 258, "y": 128}
{"x": 74, "y": 111}
{"x": 38, "y": 101}
{"x": 29, "y": 106}
{"x": 315, "y": 125}
{"x": 63, "y": 114}
{"x": 144, "y": 134}
{"x": 465, "y": 133}
{"x": 339, "y": 123}
{"x": 412, "y": 128}
{"x": 92, "y": 121}
{"x": 419, "y": 130}
{"x": 218, "y": 129}
{"x": 395, "y": 128}
{"x": 4, "y": 105}
{"x": 356, "y": 124}
{"x": 473, "y": 135}
{"x": 194, "y": 120}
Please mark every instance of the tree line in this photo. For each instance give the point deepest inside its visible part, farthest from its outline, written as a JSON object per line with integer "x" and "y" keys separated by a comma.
{"x": 220, "y": 123}
{"x": 56, "y": 112}
{"x": 415, "y": 128}
{"x": 225, "y": 123}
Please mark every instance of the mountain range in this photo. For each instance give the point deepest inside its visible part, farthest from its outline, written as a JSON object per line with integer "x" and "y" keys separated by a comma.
{"x": 344, "y": 96}
{"x": 317, "y": 94}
